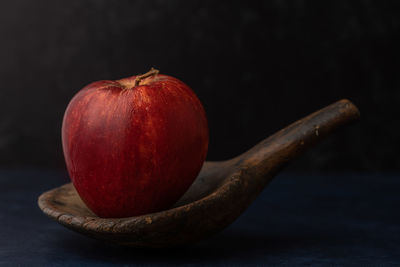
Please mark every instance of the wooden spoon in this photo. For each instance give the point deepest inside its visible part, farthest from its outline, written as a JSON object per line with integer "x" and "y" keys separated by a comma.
{"x": 221, "y": 192}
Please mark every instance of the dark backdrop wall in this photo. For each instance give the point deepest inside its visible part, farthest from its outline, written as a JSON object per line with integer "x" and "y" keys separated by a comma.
{"x": 256, "y": 66}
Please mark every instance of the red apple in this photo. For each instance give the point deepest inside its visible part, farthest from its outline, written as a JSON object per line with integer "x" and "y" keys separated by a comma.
{"x": 135, "y": 145}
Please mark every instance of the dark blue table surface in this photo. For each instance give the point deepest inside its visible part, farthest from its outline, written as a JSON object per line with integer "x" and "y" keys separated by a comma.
{"x": 299, "y": 220}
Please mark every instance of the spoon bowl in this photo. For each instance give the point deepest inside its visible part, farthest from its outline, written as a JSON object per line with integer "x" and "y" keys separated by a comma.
{"x": 222, "y": 191}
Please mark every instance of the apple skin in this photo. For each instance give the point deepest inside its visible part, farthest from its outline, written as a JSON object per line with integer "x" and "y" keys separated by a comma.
{"x": 134, "y": 149}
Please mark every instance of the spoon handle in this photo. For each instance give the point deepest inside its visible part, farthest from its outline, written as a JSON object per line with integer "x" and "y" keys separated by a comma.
{"x": 267, "y": 158}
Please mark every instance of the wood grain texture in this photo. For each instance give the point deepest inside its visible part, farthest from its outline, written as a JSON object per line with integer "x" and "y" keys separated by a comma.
{"x": 222, "y": 191}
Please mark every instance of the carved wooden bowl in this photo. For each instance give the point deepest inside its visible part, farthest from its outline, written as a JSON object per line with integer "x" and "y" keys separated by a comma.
{"x": 221, "y": 192}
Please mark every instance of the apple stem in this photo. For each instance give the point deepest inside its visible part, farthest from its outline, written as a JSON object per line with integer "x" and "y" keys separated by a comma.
{"x": 139, "y": 78}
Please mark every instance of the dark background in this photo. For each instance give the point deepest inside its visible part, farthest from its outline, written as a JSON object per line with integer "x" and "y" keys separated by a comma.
{"x": 256, "y": 66}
